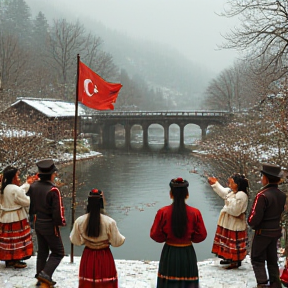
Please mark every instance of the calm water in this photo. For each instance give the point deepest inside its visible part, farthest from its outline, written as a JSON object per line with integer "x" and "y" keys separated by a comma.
{"x": 135, "y": 186}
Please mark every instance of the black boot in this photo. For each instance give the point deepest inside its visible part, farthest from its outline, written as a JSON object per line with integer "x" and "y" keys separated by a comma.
{"x": 44, "y": 277}
{"x": 233, "y": 265}
{"x": 274, "y": 277}
{"x": 260, "y": 272}
{"x": 9, "y": 263}
{"x": 225, "y": 261}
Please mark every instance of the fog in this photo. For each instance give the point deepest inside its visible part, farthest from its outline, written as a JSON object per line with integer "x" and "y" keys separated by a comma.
{"x": 190, "y": 26}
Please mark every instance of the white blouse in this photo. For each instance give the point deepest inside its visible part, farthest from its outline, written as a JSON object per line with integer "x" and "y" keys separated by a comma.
{"x": 14, "y": 203}
{"x": 109, "y": 233}
{"x": 232, "y": 215}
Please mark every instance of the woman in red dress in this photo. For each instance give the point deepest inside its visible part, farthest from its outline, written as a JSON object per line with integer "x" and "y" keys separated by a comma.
{"x": 178, "y": 225}
{"x": 97, "y": 232}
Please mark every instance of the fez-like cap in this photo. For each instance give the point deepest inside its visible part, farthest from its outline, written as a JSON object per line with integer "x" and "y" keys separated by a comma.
{"x": 178, "y": 183}
{"x": 272, "y": 170}
{"x": 96, "y": 194}
{"x": 46, "y": 166}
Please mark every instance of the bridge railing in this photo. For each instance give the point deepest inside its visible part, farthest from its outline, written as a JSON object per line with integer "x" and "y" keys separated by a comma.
{"x": 160, "y": 113}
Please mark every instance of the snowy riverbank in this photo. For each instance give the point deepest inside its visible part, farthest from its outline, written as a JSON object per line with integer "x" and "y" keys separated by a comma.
{"x": 132, "y": 274}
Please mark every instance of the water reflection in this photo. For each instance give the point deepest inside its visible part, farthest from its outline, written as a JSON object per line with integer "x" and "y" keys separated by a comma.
{"x": 135, "y": 187}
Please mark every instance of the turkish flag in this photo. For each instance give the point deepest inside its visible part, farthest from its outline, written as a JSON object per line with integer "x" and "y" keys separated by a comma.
{"x": 94, "y": 92}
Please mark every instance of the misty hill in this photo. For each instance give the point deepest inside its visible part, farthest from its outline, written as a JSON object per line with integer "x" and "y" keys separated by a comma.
{"x": 161, "y": 67}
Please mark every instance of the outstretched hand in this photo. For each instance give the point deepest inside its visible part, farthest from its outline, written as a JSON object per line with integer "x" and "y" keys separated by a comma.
{"x": 212, "y": 180}
{"x": 32, "y": 178}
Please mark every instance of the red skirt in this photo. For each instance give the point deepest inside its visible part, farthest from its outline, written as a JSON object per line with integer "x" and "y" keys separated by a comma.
{"x": 15, "y": 240}
{"x": 230, "y": 244}
{"x": 97, "y": 269}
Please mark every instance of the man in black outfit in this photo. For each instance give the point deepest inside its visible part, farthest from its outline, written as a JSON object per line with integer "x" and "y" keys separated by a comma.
{"x": 264, "y": 218}
{"x": 46, "y": 204}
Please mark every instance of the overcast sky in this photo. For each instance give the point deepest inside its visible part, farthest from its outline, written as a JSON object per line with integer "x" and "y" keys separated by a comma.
{"x": 190, "y": 26}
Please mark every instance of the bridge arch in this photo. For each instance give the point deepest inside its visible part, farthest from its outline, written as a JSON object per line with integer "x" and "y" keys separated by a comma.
{"x": 119, "y": 135}
{"x": 155, "y": 133}
{"x": 192, "y": 132}
{"x": 107, "y": 123}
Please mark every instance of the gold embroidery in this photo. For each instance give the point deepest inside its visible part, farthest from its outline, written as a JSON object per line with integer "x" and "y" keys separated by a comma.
{"x": 178, "y": 278}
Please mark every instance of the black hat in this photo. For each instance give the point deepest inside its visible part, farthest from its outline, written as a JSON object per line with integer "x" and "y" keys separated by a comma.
{"x": 179, "y": 183}
{"x": 272, "y": 170}
{"x": 46, "y": 166}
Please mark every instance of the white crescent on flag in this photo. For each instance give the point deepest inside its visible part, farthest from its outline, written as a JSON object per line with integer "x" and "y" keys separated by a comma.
{"x": 93, "y": 91}
{"x": 86, "y": 87}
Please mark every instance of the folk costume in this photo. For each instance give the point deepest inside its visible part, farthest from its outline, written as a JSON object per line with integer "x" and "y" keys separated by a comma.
{"x": 97, "y": 267}
{"x": 231, "y": 233}
{"x": 15, "y": 236}
{"x": 178, "y": 262}
{"x": 46, "y": 204}
{"x": 264, "y": 219}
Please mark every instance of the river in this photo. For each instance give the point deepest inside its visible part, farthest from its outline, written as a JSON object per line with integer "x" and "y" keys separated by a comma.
{"x": 136, "y": 185}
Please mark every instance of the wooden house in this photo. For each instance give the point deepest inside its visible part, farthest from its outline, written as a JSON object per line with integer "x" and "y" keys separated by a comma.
{"x": 54, "y": 119}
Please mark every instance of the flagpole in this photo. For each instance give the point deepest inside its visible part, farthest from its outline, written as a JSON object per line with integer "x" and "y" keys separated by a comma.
{"x": 74, "y": 159}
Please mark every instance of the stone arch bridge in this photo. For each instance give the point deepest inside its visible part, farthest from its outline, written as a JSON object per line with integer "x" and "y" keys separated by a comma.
{"x": 104, "y": 123}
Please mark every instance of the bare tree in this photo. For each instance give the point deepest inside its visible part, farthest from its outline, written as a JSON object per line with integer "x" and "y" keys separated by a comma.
{"x": 13, "y": 59}
{"x": 66, "y": 41}
{"x": 240, "y": 87}
{"x": 255, "y": 86}
{"x": 263, "y": 33}
{"x": 99, "y": 60}
{"x": 258, "y": 135}
{"x": 220, "y": 93}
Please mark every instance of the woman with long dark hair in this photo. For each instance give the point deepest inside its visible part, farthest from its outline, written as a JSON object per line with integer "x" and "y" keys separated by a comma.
{"x": 231, "y": 235}
{"x": 178, "y": 225}
{"x": 97, "y": 232}
{"x": 15, "y": 237}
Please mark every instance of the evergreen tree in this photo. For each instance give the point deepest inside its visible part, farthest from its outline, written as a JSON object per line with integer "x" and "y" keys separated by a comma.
{"x": 17, "y": 20}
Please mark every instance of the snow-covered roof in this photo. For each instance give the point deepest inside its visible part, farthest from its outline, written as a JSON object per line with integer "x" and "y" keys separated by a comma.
{"x": 52, "y": 107}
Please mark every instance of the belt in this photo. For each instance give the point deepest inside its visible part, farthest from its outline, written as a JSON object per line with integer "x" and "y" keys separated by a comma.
{"x": 44, "y": 220}
{"x": 98, "y": 248}
{"x": 43, "y": 216}
{"x": 179, "y": 244}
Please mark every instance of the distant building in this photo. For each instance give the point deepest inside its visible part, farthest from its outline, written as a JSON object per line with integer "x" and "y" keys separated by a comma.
{"x": 52, "y": 118}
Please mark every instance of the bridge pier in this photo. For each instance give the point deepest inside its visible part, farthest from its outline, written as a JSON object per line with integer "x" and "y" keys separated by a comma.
{"x": 112, "y": 143}
{"x": 203, "y": 131}
{"x": 145, "y": 135}
{"x": 101, "y": 135}
{"x": 108, "y": 136}
{"x": 166, "y": 135}
{"x": 105, "y": 136}
{"x": 127, "y": 128}
{"x": 181, "y": 126}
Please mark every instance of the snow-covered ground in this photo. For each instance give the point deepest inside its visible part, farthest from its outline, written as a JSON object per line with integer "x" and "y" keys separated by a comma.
{"x": 132, "y": 274}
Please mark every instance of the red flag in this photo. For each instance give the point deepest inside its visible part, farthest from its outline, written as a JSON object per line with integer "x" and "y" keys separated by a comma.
{"x": 94, "y": 92}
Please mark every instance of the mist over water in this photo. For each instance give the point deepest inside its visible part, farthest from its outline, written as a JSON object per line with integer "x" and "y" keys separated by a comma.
{"x": 135, "y": 186}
